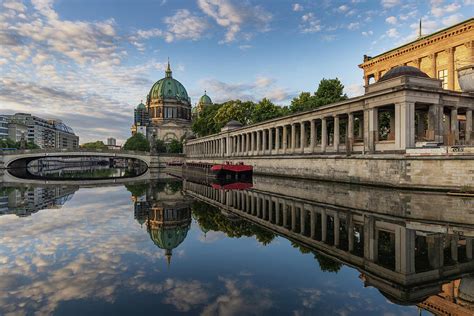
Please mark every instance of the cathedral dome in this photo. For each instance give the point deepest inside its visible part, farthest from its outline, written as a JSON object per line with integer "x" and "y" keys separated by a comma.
{"x": 169, "y": 88}
{"x": 403, "y": 71}
{"x": 141, "y": 106}
{"x": 205, "y": 100}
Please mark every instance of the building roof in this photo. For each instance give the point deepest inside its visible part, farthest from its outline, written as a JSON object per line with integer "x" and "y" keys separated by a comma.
{"x": 169, "y": 88}
{"x": 403, "y": 71}
{"x": 368, "y": 59}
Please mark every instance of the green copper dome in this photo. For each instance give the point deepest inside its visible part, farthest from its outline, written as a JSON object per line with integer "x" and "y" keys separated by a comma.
{"x": 168, "y": 237}
{"x": 205, "y": 100}
{"x": 141, "y": 106}
{"x": 169, "y": 88}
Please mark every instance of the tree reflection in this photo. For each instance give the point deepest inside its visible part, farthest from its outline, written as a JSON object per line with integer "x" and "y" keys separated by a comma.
{"x": 325, "y": 263}
{"x": 210, "y": 218}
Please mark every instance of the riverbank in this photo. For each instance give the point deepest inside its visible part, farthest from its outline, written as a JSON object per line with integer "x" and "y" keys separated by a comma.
{"x": 445, "y": 173}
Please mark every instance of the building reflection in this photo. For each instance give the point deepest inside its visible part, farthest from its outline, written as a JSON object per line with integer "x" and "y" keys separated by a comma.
{"x": 164, "y": 211}
{"x": 414, "y": 247}
{"x": 24, "y": 201}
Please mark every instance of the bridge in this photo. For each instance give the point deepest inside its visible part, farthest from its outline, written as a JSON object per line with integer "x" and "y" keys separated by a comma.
{"x": 20, "y": 159}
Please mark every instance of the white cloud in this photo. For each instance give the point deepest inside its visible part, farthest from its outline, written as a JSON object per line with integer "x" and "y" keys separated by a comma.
{"x": 391, "y": 20}
{"x": 15, "y": 5}
{"x": 353, "y": 26}
{"x": 367, "y": 33}
{"x": 439, "y": 11}
{"x": 184, "y": 25}
{"x": 310, "y": 24}
{"x": 235, "y": 18}
{"x": 343, "y": 8}
{"x": 393, "y": 33}
{"x": 297, "y": 7}
{"x": 390, "y": 3}
{"x": 452, "y": 19}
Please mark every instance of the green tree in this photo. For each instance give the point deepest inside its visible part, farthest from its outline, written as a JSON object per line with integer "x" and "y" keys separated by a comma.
{"x": 160, "y": 146}
{"x": 329, "y": 91}
{"x": 94, "y": 145}
{"x": 327, "y": 264}
{"x": 175, "y": 147}
{"x": 234, "y": 110}
{"x": 137, "y": 189}
{"x": 137, "y": 142}
{"x": 204, "y": 124}
{"x": 265, "y": 110}
{"x": 8, "y": 143}
{"x": 305, "y": 101}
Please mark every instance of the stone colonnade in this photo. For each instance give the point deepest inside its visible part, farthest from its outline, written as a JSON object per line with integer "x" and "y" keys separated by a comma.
{"x": 391, "y": 121}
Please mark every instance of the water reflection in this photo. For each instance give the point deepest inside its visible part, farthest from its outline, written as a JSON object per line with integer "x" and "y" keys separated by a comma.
{"x": 281, "y": 246}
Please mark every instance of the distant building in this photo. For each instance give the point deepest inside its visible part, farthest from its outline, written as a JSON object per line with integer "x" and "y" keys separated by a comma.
{"x": 440, "y": 55}
{"x": 17, "y": 131}
{"x": 44, "y": 133}
{"x": 111, "y": 141}
{"x": 3, "y": 127}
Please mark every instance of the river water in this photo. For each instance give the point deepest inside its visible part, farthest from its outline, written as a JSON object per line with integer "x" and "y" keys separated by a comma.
{"x": 177, "y": 245}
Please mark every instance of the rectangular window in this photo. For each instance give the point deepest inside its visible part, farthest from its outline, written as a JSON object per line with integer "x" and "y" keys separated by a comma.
{"x": 443, "y": 76}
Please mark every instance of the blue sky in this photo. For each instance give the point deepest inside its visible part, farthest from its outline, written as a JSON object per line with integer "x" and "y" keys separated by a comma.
{"x": 91, "y": 62}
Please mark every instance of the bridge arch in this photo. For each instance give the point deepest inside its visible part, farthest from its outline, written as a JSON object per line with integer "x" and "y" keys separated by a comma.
{"x": 22, "y": 157}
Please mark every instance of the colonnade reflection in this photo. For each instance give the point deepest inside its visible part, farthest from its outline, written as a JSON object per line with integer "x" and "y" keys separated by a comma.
{"x": 408, "y": 257}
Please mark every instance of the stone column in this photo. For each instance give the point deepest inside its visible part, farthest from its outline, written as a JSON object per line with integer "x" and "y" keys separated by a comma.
{"x": 469, "y": 247}
{"x": 324, "y": 225}
{"x": 405, "y": 125}
{"x": 258, "y": 142}
{"x": 285, "y": 139}
{"x": 337, "y": 225}
{"x": 277, "y": 139}
{"x": 469, "y": 132}
{"x": 350, "y": 233}
{"x": 312, "y": 138}
{"x": 229, "y": 150}
{"x": 451, "y": 74}
{"x": 302, "y": 220}
{"x": 252, "y": 143}
{"x": 285, "y": 215}
{"x": 264, "y": 145}
{"x": 454, "y": 125}
{"x": 270, "y": 140}
{"x": 293, "y": 137}
{"x": 302, "y": 137}
{"x": 277, "y": 212}
{"x": 336, "y": 133}
{"x": 373, "y": 128}
{"x": 312, "y": 215}
{"x": 293, "y": 217}
{"x": 324, "y": 134}
{"x": 405, "y": 250}
{"x": 350, "y": 132}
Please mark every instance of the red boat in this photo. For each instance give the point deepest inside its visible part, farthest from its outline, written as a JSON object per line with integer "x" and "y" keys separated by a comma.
{"x": 229, "y": 171}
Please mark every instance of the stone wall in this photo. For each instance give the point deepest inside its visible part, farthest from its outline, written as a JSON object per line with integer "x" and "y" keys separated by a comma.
{"x": 443, "y": 173}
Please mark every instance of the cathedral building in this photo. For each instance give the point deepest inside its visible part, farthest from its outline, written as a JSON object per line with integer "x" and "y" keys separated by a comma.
{"x": 166, "y": 115}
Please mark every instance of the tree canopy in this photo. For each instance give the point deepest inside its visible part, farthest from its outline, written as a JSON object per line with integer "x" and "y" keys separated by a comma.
{"x": 94, "y": 145}
{"x": 329, "y": 91}
{"x": 214, "y": 117}
{"x": 8, "y": 143}
{"x": 137, "y": 142}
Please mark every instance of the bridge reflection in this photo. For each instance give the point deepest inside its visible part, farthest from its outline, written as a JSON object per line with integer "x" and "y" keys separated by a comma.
{"x": 406, "y": 244}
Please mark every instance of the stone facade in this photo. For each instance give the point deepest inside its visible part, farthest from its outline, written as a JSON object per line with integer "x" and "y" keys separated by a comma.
{"x": 439, "y": 55}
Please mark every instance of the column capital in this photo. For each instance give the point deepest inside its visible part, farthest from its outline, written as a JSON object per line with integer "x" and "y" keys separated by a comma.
{"x": 449, "y": 50}
{"x": 432, "y": 56}
{"x": 469, "y": 44}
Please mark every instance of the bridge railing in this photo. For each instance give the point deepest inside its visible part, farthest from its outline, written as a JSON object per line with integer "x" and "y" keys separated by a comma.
{"x": 75, "y": 150}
